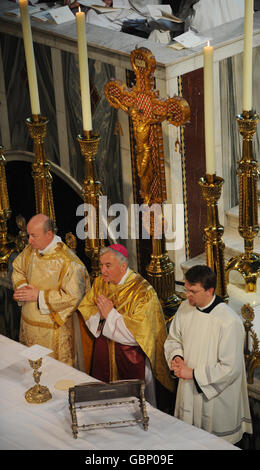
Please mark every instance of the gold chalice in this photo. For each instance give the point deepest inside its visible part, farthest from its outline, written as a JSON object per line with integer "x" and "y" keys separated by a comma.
{"x": 38, "y": 393}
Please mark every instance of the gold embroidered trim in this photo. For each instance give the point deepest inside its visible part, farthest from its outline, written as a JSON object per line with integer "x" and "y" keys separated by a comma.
{"x": 53, "y": 326}
{"x": 61, "y": 251}
{"x": 112, "y": 361}
{"x": 27, "y": 257}
{"x": 56, "y": 318}
{"x": 53, "y": 314}
{"x": 63, "y": 271}
{"x": 56, "y": 332}
{"x": 56, "y": 343}
{"x": 19, "y": 283}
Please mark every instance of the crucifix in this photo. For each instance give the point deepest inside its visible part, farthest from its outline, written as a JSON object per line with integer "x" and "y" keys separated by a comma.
{"x": 147, "y": 111}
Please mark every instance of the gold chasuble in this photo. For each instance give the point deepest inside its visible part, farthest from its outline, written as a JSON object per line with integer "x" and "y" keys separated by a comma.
{"x": 137, "y": 302}
{"x": 63, "y": 280}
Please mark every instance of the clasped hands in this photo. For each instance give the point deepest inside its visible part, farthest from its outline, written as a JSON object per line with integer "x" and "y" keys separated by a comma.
{"x": 26, "y": 293}
{"x": 180, "y": 369}
{"x": 104, "y": 305}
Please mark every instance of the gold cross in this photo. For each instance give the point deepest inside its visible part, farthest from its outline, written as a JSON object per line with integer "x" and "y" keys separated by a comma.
{"x": 147, "y": 111}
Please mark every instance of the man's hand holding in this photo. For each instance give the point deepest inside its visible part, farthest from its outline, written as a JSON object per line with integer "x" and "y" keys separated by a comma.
{"x": 176, "y": 363}
{"x": 26, "y": 294}
{"x": 181, "y": 370}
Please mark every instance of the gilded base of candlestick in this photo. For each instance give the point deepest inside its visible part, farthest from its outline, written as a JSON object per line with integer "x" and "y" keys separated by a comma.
{"x": 247, "y": 313}
{"x": 38, "y": 393}
{"x": 211, "y": 186}
{"x": 252, "y": 358}
{"x": 248, "y": 263}
{"x": 91, "y": 192}
{"x": 161, "y": 275}
{"x": 160, "y": 272}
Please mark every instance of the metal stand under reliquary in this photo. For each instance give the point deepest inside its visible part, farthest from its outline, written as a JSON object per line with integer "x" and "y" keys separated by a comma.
{"x": 96, "y": 395}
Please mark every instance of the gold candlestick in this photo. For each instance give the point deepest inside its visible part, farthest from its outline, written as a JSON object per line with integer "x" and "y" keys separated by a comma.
{"x": 252, "y": 358}
{"x": 37, "y": 126}
{"x": 248, "y": 314}
{"x": 161, "y": 270}
{"x": 38, "y": 393}
{"x": 248, "y": 263}
{"x": 91, "y": 192}
{"x": 7, "y": 244}
{"x": 211, "y": 191}
{"x": 161, "y": 275}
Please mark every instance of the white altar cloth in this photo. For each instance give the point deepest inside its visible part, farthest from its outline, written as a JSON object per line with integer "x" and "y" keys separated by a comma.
{"x": 47, "y": 426}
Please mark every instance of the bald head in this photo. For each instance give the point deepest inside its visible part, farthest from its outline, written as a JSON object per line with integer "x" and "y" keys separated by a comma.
{"x": 40, "y": 230}
{"x": 42, "y": 220}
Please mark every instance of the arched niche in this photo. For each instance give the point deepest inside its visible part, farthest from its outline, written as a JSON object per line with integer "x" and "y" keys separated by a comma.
{"x": 66, "y": 194}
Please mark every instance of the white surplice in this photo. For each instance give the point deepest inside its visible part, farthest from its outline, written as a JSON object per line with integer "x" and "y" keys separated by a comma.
{"x": 212, "y": 345}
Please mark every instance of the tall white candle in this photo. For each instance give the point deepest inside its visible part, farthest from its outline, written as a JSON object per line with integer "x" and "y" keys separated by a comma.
{"x": 29, "y": 57}
{"x": 247, "y": 59}
{"x": 209, "y": 110}
{"x": 83, "y": 69}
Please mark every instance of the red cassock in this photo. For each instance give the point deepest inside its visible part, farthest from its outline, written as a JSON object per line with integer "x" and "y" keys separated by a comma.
{"x": 130, "y": 361}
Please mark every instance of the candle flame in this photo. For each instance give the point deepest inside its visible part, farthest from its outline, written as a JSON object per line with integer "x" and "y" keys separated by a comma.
{"x": 208, "y": 43}
{"x": 79, "y": 9}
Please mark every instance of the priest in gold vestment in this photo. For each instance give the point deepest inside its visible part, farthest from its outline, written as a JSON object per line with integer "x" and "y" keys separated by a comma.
{"x": 124, "y": 315}
{"x": 49, "y": 282}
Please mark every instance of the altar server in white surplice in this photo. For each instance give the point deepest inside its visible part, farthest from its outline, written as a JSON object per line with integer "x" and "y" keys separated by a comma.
{"x": 204, "y": 349}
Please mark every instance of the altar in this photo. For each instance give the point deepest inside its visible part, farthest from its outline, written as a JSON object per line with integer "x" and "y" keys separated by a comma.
{"x": 177, "y": 73}
{"x": 47, "y": 426}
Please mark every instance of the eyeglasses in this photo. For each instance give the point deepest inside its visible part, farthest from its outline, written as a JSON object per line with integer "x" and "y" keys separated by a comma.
{"x": 193, "y": 292}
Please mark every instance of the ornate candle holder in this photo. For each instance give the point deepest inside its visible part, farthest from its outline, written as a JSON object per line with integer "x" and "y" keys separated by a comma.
{"x": 91, "y": 192}
{"x": 248, "y": 263}
{"x": 211, "y": 191}
{"x": 248, "y": 314}
{"x": 38, "y": 393}
{"x": 252, "y": 358}
{"x": 161, "y": 275}
{"x": 7, "y": 244}
{"x": 37, "y": 126}
{"x": 161, "y": 270}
